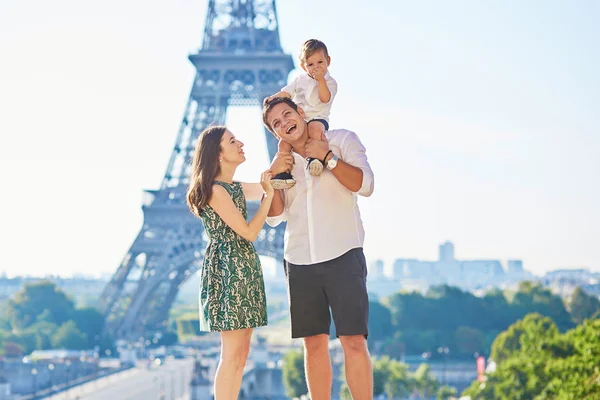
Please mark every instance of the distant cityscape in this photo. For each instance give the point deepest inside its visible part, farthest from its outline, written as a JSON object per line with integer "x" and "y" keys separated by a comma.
{"x": 477, "y": 276}
{"x": 403, "y": 274}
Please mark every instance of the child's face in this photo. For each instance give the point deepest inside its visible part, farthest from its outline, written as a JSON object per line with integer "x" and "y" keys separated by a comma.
{"x": 317, "y": 61}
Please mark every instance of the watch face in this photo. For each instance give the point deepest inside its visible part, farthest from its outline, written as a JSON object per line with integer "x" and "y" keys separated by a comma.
{"x": 331, "y": 164}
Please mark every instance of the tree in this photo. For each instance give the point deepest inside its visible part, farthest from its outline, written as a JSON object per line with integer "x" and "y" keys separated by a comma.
{"x": 90, "y": 322}
{"x": 39, "y": 298}
{"x": 512, "y": 340}
{"x": 43, "y": 332}
{"x": 69, "y": 337}
{"x": 545, "y": 364}
{"x": 345, "y": 392}
{"x": 380, "y": 321}
{"x": 425, "y": 382}
{"x": 445, "y": 392}
{"x": 468, "y": 340}
{"x": 294, "y": 378}
{"x": 381, "y": 371}
{"x": 399, "y": 382}
{"x": 533, "y": 297}
{"x": 582, "y": 305}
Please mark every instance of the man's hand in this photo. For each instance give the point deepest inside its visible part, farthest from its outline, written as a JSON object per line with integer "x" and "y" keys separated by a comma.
{"x": 317, "y": 148}
{"x": 282, "y": 162}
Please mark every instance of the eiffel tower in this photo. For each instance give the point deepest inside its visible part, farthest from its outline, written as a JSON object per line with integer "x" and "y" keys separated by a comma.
{"x": 239, "y": 64}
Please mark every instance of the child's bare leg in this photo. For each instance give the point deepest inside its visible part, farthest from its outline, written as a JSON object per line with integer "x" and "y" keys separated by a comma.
{"x": 284, "y": 146}
{"x": 284, "y": 180}
{"x": 316, "y": 131}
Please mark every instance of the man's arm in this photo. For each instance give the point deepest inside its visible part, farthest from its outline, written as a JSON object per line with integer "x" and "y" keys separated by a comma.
{"x": 281, "y": 162}
{"x": 349, "y": 176}
{"x": 277, "y": 206}
{"x": 353, "y": 170}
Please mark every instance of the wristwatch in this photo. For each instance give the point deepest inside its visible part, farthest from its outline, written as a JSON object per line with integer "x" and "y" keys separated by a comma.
{"x": 332, "y": 163}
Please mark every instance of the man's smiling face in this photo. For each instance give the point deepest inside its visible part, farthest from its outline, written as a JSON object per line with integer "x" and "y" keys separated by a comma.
{"x": 286, "y": 123}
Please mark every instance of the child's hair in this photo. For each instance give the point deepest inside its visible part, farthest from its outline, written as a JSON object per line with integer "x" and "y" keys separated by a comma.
{"x": 310, "y": 47}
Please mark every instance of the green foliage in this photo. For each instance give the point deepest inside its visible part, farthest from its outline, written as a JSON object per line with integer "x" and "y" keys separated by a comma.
{"x": 583, "y": 306}
{"x": 39, "y": 298}
{"x": 466, "y": 324}
{"x": 446, "y": 392}
{"x": 392, "y": 378}
{"x": 294, "y": 378}
{"x": 399, "y": 382}
{"x": 91, "y": 323}
{"x": 380, "y": 321}
{"x": 511, "y": 341}
{"x": 426, "y": 383}
{"x": 345, "y": 392}
{"x": 536, "y": 361}
{"x": 69, "y": 337}
{"x": 35, "y": 313}
{"x": 468, "y": 340}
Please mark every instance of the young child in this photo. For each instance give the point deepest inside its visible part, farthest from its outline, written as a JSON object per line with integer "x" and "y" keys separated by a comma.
{"x": 314, "y": 92}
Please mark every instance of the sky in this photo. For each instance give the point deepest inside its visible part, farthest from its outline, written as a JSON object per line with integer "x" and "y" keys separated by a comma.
{"x": 481, "y": 122}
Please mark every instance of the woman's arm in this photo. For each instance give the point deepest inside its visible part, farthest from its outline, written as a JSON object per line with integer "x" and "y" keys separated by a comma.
{"x": 252, "y": 191}
{"x": 277, "y": 206}
{"x": 222, "y": 203}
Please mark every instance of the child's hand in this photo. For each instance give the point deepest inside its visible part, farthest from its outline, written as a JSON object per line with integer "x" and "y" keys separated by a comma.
{"x": 318, "y": 74}
{"x": 267, "y": 100}
{"x": 316, "y": 148}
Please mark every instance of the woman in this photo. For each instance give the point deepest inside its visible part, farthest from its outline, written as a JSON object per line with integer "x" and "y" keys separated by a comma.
{"x": 232, "y": 291}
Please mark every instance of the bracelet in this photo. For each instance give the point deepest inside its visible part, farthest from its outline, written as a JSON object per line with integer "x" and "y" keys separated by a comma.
{"x": 325, "y": 158}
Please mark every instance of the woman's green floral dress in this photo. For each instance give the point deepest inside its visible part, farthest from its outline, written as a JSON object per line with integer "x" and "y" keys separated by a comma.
{"x": 232, "y": 289}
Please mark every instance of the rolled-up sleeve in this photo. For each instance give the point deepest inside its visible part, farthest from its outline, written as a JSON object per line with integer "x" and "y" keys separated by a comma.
{"x": 332, "y": 86}
{"x": 355, "y": 154}
{"x": 291, "y": 87}
{"x": 274, "y": 221}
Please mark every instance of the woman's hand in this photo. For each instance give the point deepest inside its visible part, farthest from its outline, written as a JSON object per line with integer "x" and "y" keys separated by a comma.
{"x": 265, "y": 182}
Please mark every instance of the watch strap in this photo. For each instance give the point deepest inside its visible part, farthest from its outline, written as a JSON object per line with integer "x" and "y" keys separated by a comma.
{"x": 326, "y": 155}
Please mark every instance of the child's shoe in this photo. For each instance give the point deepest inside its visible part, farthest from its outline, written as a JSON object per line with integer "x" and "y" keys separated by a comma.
{"x": 315, "y": 166}
{"x": 284, "y": 180}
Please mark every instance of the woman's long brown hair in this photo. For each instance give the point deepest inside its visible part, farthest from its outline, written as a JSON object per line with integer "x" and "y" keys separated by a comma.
{"x": 205, "y": 168}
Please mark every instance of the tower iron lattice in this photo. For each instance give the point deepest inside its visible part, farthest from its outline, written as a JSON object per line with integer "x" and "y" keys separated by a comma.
{"x": 239, "y": 64}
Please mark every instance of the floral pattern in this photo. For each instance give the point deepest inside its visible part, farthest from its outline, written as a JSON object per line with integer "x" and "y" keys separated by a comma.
{"x": 232, "y": 289}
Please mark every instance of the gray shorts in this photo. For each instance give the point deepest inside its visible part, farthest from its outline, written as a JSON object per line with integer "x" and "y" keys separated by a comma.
{"x": 339, "y": 284}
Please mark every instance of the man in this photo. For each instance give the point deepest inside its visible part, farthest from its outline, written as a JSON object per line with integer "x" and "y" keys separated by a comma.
{"x": 323, "y": 257}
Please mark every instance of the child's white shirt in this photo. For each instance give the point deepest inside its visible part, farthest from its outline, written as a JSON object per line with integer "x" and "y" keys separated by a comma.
{"x": 305, "y": 92}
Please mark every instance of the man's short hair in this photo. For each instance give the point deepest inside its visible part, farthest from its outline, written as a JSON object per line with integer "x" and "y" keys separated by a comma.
{"x": 269, "y": 106}
{"x": 310, "y": 47}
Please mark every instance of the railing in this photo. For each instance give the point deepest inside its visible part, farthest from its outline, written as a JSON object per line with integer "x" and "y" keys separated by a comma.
{"x": 55, "y": 389}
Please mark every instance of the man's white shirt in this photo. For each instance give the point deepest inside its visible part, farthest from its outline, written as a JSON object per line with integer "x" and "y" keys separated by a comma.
{"x": 305, "y": 92}
{"x": 323, "y": 219}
